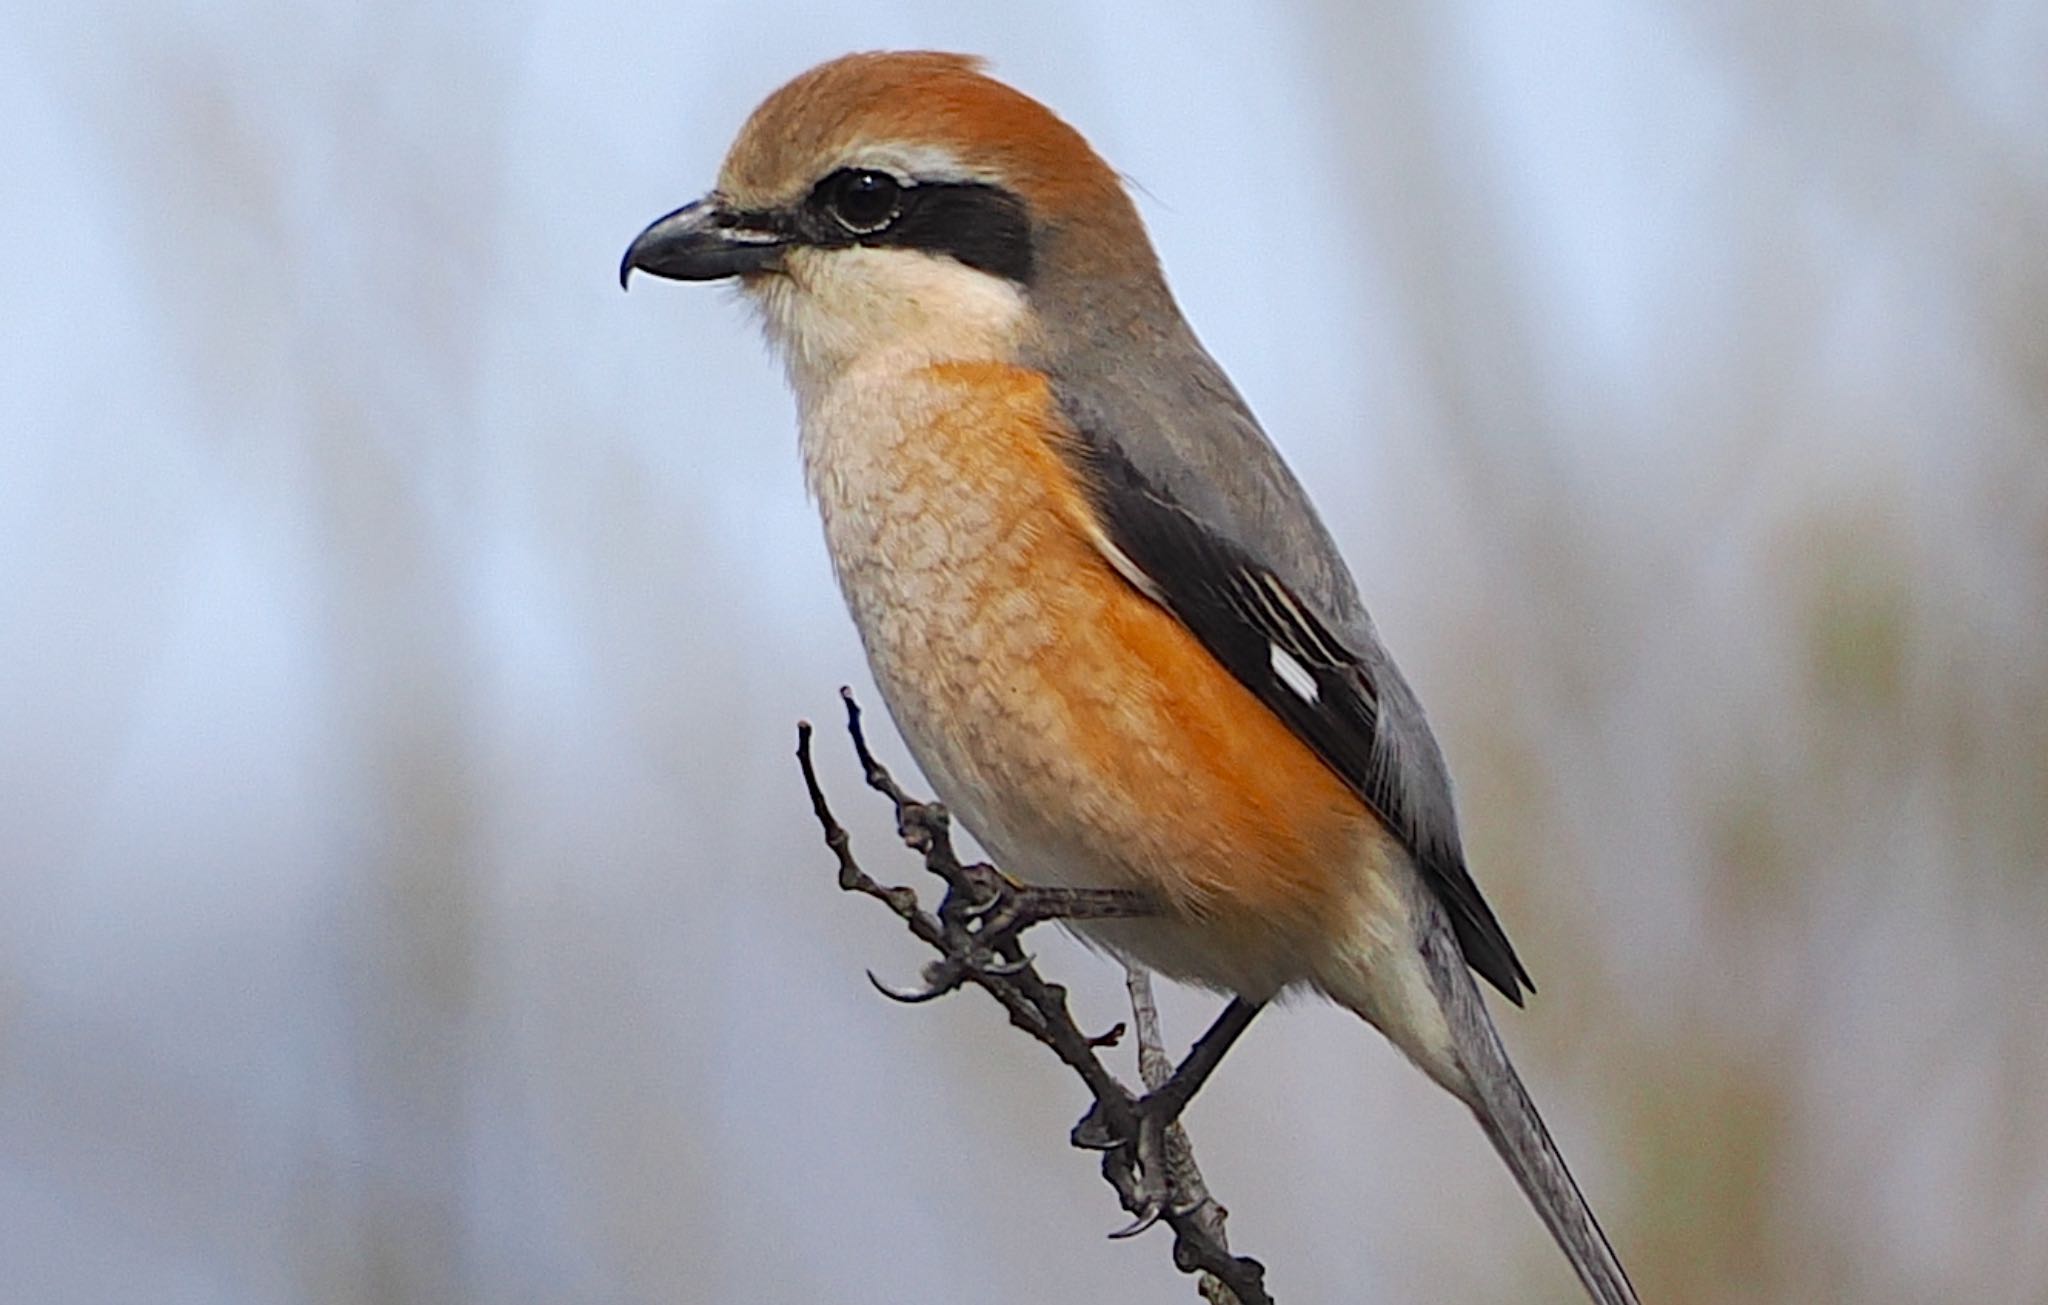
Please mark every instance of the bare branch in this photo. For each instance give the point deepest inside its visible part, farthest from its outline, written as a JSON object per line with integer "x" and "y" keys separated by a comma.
{"x": 976, "y": 931}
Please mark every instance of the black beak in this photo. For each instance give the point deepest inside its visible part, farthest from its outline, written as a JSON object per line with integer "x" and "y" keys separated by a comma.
{"x": 703, "y": 241}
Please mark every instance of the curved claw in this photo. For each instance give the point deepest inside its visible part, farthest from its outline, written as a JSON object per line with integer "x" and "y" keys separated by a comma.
{"x": 1154, "y": 1210}
{"x": 975, "y": 910}
{"x": 915, "y": 996}
{"x": 1005, "y": 969}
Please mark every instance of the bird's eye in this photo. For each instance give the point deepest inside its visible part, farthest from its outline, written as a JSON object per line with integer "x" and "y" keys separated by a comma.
{"x": 861, "y": 200}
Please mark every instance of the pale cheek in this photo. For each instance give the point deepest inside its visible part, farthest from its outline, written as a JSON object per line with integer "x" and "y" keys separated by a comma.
{"x": 837, "y": 309}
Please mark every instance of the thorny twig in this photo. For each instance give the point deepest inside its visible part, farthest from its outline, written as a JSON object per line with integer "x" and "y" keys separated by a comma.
{"x": 976, "y": 932}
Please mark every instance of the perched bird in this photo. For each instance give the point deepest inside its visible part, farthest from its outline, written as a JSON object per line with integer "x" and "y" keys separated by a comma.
{"x": 1103, "y": 614}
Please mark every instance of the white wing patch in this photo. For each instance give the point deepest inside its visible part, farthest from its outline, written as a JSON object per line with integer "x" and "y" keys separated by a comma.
{"x": 1292, "y": 673}
{"x": 1124, "y": 566}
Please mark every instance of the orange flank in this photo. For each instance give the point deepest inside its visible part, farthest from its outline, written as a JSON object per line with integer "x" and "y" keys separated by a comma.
{"x": 1215, "y": 803}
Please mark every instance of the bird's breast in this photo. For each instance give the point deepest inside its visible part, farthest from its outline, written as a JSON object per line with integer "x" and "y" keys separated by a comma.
{"x": 1077, "y": 728}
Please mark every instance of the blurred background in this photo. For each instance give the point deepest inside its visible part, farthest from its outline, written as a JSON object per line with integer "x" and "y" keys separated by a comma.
{"x": 406, "y": 889}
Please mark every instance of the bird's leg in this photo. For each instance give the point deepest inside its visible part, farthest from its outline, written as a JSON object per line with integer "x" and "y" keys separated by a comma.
{"x": 1002, "y": 908}
{"x": 1172, "y": 1096}
{"x": 1143, "y": 1145}
{"x": 984, "y": 910}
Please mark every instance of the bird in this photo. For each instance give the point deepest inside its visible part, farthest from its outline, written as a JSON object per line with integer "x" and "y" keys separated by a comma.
{"x": 1104, "y": 616}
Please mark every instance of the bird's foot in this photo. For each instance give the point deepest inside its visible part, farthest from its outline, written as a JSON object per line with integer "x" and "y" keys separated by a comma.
{"x": 1148, "y": 1147}
{"x": 1139, "y": 1152}
{"x": 944, "y": 975}
{"x": 995, "y": 909}
{"x": 984, "y": 914}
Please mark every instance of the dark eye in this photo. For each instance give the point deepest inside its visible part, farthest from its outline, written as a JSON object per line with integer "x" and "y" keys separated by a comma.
{"x": 862, "y": 201}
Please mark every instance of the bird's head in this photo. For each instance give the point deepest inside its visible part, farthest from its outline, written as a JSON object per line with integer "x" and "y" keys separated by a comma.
{"x": 907, "y": 204}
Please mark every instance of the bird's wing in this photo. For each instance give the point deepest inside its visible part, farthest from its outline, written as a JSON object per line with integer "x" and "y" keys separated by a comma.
{"x": 1325, "y": 676}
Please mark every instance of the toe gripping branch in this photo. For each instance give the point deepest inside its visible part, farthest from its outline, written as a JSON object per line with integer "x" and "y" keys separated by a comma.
{"x": 977, "y": 932}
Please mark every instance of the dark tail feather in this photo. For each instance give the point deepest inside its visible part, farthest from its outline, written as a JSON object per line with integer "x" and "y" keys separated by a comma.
{"x": 1510, "y": 1120}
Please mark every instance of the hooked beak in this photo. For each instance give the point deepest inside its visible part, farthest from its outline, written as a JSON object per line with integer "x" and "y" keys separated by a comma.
{"x": 704, "y": 241}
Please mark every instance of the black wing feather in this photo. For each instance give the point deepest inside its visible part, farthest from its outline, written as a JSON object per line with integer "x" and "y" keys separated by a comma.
{"x": 1242, "y": 613}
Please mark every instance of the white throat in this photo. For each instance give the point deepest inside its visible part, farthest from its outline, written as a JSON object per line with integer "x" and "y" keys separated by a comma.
{"x": 839, "y": 311}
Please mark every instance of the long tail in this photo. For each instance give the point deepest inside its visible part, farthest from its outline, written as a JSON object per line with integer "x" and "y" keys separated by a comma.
{"x": 1509, "y": 1117}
